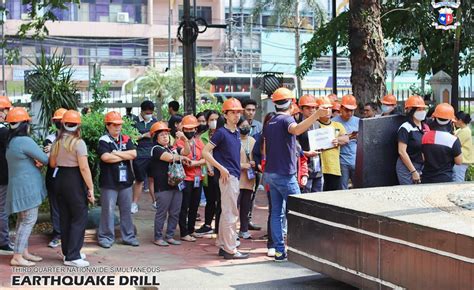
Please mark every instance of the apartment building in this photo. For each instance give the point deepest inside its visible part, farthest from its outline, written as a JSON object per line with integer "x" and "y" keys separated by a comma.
{"x": 123, "y": 36}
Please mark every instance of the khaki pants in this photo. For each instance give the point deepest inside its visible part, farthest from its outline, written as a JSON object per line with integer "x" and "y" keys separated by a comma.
{"x": 227, "y": 237}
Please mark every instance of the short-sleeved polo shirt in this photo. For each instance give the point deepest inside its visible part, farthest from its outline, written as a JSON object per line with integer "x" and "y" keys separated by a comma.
{"x": 227, "y": 149}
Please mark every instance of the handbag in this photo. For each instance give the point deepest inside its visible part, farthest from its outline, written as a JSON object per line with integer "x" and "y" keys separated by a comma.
{"x": 176, "y": 173}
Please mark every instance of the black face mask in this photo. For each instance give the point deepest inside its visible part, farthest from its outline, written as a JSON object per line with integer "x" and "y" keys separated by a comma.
{"x": 58, "y": 125}
{"x": 245, "y": 130}
{"x": 201, "y": 128}
{"x": 189, "y": 135}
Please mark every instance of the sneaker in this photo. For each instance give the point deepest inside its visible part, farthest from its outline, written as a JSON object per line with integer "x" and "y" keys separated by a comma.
{"x": 261, "y": 187}
{"x": 280, "y": 257}
{"x": 83, "y": 257}
{"x": 204, "y": 230}
{"x": 105, "y": 245}
{"x": 237, "y": 243}
{"x": 77, "y": 263}
{"x": 221, "y": 252}
{"x": 188, "y": 238}
{"x": 237, "y": 256}
{"x": 161, "y": 243}
{"x": 271, "y": 252}
{"x": 134, "y": 208}
{"x": 133, "y": 243}
{"x": 245, "y": 235}
{"x": 254, "y": 227}
{"x": 55, "y": 242}
{"x": 6, "y": 249}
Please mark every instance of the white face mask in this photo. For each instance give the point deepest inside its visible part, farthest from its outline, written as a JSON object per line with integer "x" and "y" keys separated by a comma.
{"x": 13, "y": 127}
{"x": 420, "y": 115}
{"x": 71, "y": 129}
{"x": 386, "y": 108}
{"x": 442, "y": 123}
{"x": 148, "y": 117}
{"x": 213, "y": 124}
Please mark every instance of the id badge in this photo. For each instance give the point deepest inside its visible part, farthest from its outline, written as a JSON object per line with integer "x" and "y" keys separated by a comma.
{"x": 197, "y": 181}
{"x": 55, "y": 172}
{"x": 181, "y": 186}
{"x": 250, "y": 173}
{"x": 122, "y": 173}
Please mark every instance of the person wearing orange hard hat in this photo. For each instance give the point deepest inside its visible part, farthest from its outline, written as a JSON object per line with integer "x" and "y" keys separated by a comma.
{"x": 336, "y": 109}
{"x": 281, "y": 161}
{"x": 410, "y": 134}
{"x": 441, "y": 149}
{"x": 74, "y": 186}
{"x": 52, "y": 196}
{"x": 191, "y": 146}
{"x": 225, "y": 146}
{"x": 5, "y": 106}
{"x": 26, "y": 190}
{"x": 115, "y": 150}
{"x": 389, "y": 105}
{"x": 348, "y": 150}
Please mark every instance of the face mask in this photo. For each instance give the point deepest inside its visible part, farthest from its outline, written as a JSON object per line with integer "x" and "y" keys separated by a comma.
{"x": 202, "y": 128}
{"x": 213, "y": 125}
{"x": 14, "y": 126}
{"x": 71, "y": 129}
{"x": 189, "y": 135}
{"x": 386, "y": 109}
{"x": 245, "y": 130}
{"x": 148, "y": 117}
{"x": 442, "y": 123}
{"x": 57, "y": 125}
{"x": 420, "y": 115}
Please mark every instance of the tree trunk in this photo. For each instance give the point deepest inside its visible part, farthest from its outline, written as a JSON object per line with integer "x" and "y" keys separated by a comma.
{"x": 159, "y": 105}
{"x": 367, "y": 52}
{"x": 455, "y": 74}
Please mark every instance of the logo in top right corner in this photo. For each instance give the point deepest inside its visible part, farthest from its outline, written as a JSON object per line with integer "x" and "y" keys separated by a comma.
{"x": 446, "y": 15}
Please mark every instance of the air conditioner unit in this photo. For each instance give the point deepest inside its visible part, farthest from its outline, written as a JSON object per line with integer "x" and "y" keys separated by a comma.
{"x": 25, "y": 16}
{"x": 122, "y": 17}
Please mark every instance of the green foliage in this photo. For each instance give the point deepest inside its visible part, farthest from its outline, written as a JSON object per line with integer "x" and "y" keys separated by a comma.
{"x": 470, "y": 173}
{"x": 100, "y": 92}
{"x": 209, "y": 106}
{"x": 52, "y": 85}
{"x": 92, "y": 128}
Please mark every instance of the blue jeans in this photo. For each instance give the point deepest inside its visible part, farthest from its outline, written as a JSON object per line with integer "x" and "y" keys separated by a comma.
{"x": 347, "y": 171}
{"x": 281, "y": 186}
{"x": 459, "y": 172}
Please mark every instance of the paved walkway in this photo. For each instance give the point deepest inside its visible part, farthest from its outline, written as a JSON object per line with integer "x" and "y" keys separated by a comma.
{"x": 191, "y": 265}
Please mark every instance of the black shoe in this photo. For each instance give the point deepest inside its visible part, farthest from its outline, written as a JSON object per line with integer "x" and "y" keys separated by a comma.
{"x": 204, "y": 230}
{"x": 237, "y": 256}
{"x": 7, "y": 249}
{"x": 254, "y": 227}
{"x": 221, "y": 252}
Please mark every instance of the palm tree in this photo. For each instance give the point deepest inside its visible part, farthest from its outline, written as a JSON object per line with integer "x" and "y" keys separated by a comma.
{"x": 155, "y": 84}
{"x": 287, "y": 13}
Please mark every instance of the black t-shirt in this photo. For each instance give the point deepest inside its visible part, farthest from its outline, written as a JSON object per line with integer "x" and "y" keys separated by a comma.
{"x": 49, "y": 172}
{"x": 158, "y": 169}
{"x": 3, "y": 159}
{"x": 144, "y": 145}
{"x": 411, "y": 135}
{"x": 439, "y": 149}
{"x": 109, "y": 172}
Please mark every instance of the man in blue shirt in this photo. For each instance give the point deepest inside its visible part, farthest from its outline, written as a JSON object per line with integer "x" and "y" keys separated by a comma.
{"x": 348, "y": 150}
{"x": 280, "y": 169}
{"x": 225, "y": 157}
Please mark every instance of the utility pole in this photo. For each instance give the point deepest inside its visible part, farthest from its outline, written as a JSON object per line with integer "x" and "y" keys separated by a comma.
{"x": 4, "y": 82}
{"x": 231, "y": 20}
{"x": 170, "y": 11}
{"x": 334, "y": 54}
{"x": 189, "y": 91}
{"x": 297, "y": 44}
{"x": 194, "y": 43}
{"x": 251, "y": 53}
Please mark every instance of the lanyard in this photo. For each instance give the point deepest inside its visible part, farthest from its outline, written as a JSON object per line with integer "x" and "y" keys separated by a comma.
{"x": 119, "y": 148}
{"x": 247, "y": 151}
{"x": 193, "y": 150}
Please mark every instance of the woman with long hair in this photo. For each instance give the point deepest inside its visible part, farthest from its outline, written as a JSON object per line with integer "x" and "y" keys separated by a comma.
{"x": 74, "y": 187}
{"x": 26, "y": 188}
{"x": 464, "y": 134}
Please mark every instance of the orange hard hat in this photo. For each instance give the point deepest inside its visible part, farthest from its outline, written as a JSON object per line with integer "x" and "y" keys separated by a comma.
{"x": 18, "y": 114}
{"x": 282, "y": 94}
{"x": 113, "y": 117}
{"x": 294, "y": 109}
{"x": 389, "y": 100}
{"x": 58, "y": 114}
{"x": 189, "y": 122}
{"x": 232, "y": 104}
{"x": 415, "y": 102}
{"x": 5, "y": 102}
{"x": 71, "y": 116}
{"x": 336, "y": 106}
{"x": 332, "y": 97}
{"x": 159, "y": 126}
{"x": 324, "y": 102}
{"x": 307, "y": 100}
{"x": 349, "y": 102}
{"x": 444, "y": 111}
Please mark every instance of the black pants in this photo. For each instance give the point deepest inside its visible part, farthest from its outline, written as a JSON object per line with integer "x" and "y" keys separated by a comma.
{"x": 245, "y": 203}
{"x": 331, "y": 182}
{"x": 53, "y": 204}
{"x": 258, "y": 176}
{"x": 189, "y": 208}
{"x": 213, "y": 202}
{"x": 72, "y": 199}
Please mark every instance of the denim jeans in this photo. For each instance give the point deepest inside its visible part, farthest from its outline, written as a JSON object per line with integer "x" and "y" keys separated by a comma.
{"x": 347, "y": 171}
{"x": 281, "y": 186}
{"x": 459, "y": 172}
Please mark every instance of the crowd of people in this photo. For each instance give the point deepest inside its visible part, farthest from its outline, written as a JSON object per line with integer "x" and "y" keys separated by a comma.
{"x": 226, "y": 156}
